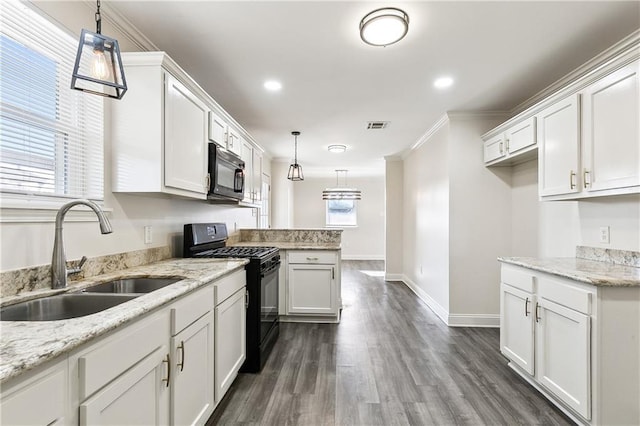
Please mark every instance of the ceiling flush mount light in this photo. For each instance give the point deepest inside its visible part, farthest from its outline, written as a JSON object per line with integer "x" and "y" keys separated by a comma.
{"x": 385, "y": 26}
{"x": 272, "y": 85}
{"x": 341, "y": 192}
{"x": 443, "y": 82}
{"x": 98, "y": 68}
{"x": 295, "y": 169}
{"x": 337, "y": 148}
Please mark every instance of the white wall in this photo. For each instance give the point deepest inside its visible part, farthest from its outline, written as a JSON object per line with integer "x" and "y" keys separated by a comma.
{"x": 426, "y": 218}
{"x": 366, "y": 241}
{"x": 29, "y": 244}
{"x": 394, "y": 196}
{"x": 281, "y": 196}
{"x": 480, "y": 221}
{"x": 525, "y": 227}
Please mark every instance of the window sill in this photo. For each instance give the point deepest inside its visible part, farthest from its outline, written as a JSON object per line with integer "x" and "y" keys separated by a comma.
{"x": 41, "y": 211}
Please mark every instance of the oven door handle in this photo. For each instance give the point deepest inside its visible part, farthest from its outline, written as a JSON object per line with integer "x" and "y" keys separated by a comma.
{"x": 271, "y": 269}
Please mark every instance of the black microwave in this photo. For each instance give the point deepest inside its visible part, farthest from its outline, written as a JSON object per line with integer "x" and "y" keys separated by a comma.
{"x": 226, "y": 174}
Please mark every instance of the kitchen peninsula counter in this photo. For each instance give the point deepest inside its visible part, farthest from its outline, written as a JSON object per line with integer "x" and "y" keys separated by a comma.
{"x": 598, "y": 267}
{"x": 27, "y": 344}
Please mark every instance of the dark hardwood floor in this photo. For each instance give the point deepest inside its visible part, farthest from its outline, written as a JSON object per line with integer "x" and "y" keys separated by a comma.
{"x": 390, "y": 361}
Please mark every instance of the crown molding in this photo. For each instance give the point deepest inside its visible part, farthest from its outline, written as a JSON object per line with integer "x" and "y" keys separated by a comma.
{"x": 442, "y": 121}
{"x": 123, "y": 25}
{"x": 592, "y": 65}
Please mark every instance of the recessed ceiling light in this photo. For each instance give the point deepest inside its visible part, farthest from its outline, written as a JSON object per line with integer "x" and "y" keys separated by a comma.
{"x": 385, "y": 26}
{"x": 272, "y": 85}
{"x": 443, "y": 82}
{"x": 337, "y": 148}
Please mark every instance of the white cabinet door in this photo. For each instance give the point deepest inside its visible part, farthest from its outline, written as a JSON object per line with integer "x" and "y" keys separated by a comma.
{"x": 521, "y": 136}
{"x": 217, "y": 129}
{"x": 185, "y": 138}
{"x": 257, "y": 176}
{"x": 494, "y": 148}
{"x": 138, "y": 397}
{"x": 37, "y": 400}
{"x": 247, "y": 157}
{"x": 230, "y": 340}
{"x": 517, "y": 327}
{"x": 559, "y": 147}
{"x": 192, "y": 389}
{"x": 563, "y": 354}
{"x": 611, "y": 131}
{"x": 312, "y": 289}
{"x": 234, "y": 142}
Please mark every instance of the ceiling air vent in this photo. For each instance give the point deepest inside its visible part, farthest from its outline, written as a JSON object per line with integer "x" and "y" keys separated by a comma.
{"x": 374, "y": 125}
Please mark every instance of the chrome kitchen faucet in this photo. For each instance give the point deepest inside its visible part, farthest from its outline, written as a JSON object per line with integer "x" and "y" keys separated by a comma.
{"x": 59, "y": 269}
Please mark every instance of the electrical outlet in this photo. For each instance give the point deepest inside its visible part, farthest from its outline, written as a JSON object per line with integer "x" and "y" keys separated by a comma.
{"x": 604, "y": 235}
{"x": 148, "y": 237}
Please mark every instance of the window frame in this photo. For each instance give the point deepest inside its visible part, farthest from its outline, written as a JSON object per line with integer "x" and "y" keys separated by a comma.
{"x": 82, "y": 163}
{"x": 341, "y": 225}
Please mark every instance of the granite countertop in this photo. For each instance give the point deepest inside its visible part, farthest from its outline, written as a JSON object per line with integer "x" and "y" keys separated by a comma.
{"x": 27, "y": 344}
{"x": 588, "y": 271}
{"x": 288, "y": 245}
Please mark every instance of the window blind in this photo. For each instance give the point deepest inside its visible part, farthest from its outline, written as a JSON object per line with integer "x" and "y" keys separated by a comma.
{"x": 51, "y": 137}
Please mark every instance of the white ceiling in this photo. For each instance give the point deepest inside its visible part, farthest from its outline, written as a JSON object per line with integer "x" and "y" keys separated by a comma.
{"x": 499, "y": 54}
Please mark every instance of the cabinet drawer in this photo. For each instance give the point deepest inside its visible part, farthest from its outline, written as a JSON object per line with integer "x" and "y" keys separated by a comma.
{"x": 517, "y": 277}
{"x": 564, "y": 294}
{"x": 120, "y": 352}
{"x": 226, "y": 286}
{"x": 37, "y": 400}
{"x": 188, "y": 309}
{"x": 324, "y": 257}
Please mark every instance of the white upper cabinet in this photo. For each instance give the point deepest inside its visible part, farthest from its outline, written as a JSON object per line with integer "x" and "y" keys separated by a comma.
{"x": 185, "y": 130}
{"x": 517, "y": 143}
{"x": 559, "y": 135}
{"x": 159, "y": 130}
{"x": 162, "y": 128}
{"x": 611, "y": 137}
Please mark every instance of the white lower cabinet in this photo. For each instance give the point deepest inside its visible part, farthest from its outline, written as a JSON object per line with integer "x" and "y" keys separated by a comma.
{"x": 192, "y": 397}
{"x": 137, "y": 397}
{"x": 192, "y": 358}
{"x": 44, "y": 388}
{"x": 230, "y": 332}
{"x": 312, "y": 283}
{"x": 156, "y": 370}
{"x": 566, "y": 337}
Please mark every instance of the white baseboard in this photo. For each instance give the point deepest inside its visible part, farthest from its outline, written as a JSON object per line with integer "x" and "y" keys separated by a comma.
{"x": 474, "y": 320}
{"x": 393, "y": 277}
{"x": 362, "y": 256}
{"x": 438, "y": 309}
{"x": 451, "y": 320}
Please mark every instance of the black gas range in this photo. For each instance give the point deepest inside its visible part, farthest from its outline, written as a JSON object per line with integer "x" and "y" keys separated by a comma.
{"x": 208, "y": 240}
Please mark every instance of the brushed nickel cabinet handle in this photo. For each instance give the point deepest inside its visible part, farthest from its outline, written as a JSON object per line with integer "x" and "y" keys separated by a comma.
{"x": 507, "y": 144}
{"x": 312, "y": 258}
{"x": 586, "y": 178}
{"x": 572, "y": 175}
{"x": 168, "y": 361}
{"x": 246, "y": 299}
{"x": 181, "y": 363}
{"x": 537, "y": 310}
{"x": 526, "y": 307}
{"x": 501, "y": 148}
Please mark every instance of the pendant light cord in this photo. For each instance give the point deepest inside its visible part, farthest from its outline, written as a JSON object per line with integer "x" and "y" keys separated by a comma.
{"x": 295, "y": 157}
{"x": 98, "y": 18}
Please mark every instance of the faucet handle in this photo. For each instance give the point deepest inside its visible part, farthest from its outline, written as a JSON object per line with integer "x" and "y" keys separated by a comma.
{"x": 78, "y": 267}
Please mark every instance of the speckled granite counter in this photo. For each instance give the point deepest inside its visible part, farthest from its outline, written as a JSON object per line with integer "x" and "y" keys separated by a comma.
{"x": 284, "y": 245}
{"x": 289, "y": 239}
{"x": 599, "y": 267}
{"x": 25, "y": 345}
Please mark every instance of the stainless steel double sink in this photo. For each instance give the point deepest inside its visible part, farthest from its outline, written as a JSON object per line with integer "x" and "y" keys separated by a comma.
{"x": 87, "y": 301}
